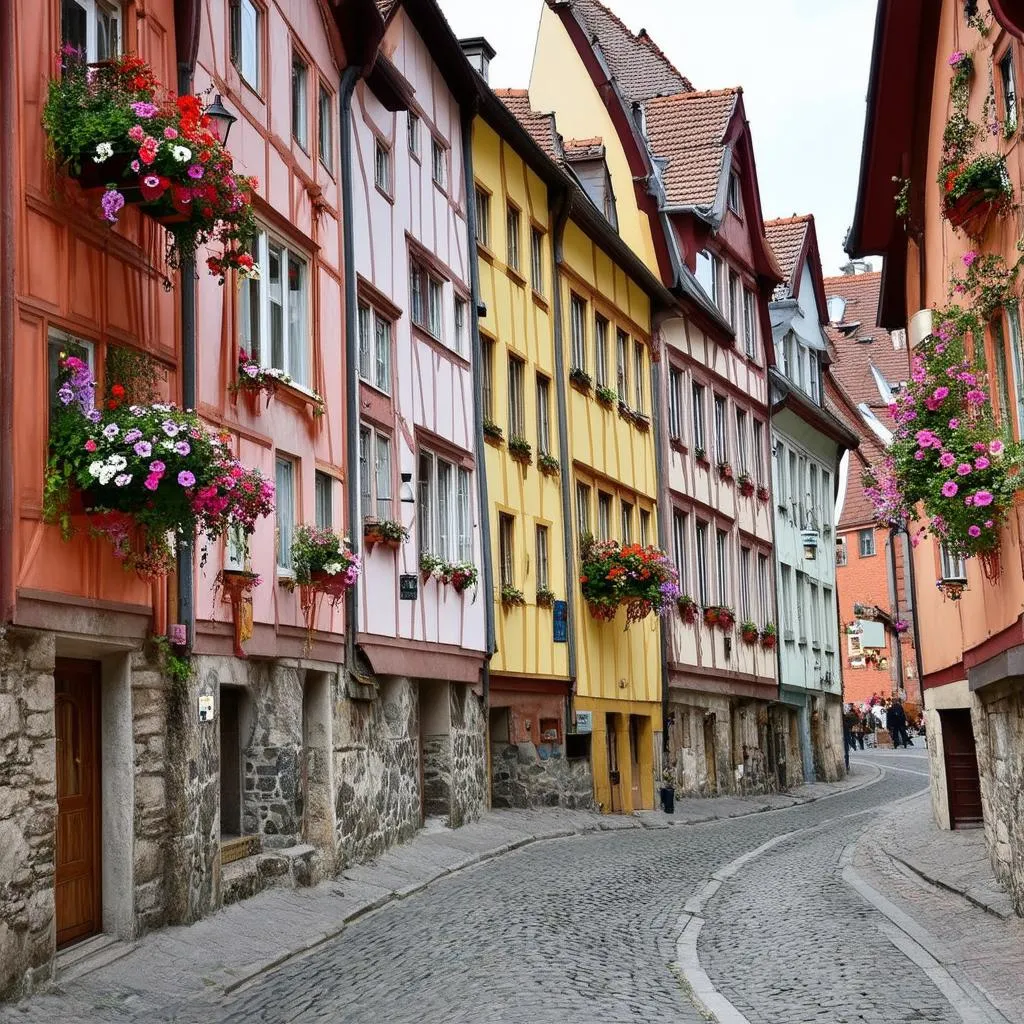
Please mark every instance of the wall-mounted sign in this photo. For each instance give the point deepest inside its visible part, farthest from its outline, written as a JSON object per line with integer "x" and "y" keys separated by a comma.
{"x": 560, "y": 623}
{"x": 408, "y": 587}
{"x": 206, "y": 707}
{"x": 584, "y": 721}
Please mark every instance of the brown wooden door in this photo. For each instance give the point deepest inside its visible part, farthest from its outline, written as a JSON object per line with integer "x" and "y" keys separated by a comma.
{"x": 710, "y": 753}
{"x": 613, "y": 762}
{"x": 961, "y": 759}
{"x": 634, "y": 762}
{"x": 77, "y": 723}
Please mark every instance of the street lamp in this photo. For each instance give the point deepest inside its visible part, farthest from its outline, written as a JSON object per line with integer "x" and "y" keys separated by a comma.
{"x": 222, "y": 119}
{"x": 405, "y": 493}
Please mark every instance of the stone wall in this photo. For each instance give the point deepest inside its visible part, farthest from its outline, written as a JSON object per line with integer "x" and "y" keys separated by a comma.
{"x": 28, "y": 811}
{"x": 437, "y": 776}
{"x": 468, "y": 756}
{"x": 523, "y": 778}
{"x": 827, "y": 738}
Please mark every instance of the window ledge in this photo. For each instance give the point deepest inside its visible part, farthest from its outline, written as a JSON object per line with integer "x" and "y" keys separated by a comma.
{"x": 484, "y": 252}
{"x": 516, "y": 275}
{"x": 422, "y": 334}
{"x": 540, "y": 300}
{"x": 677, "y": 445}
{"x": 299, "y": 394}
{"x": 387, "y": 195}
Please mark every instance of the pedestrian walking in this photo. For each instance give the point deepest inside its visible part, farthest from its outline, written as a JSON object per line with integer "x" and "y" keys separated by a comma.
{"x": 849, "y": 721}
{"x": 898, "y": 724}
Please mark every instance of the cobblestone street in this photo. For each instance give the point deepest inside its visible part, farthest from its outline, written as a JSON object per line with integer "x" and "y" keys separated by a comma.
{"x": 588, "y": 929}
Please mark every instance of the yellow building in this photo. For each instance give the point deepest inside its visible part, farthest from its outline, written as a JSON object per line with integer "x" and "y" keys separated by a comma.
{"x": 575, "y": 714}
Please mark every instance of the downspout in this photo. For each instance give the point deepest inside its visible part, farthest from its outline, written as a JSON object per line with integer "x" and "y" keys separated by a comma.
{"x": 349, "y": 77}
{"x": 912, "y": 600}
{"x": 894, "y": 533}
{"x": 664, "y": 500}
{"x": 561, "y": 208}
{"x": 8, "y": 93}
{"x": 486, "y": 550}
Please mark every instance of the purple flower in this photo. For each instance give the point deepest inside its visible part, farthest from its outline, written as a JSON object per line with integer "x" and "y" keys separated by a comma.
{"x": 969, "y": 257}
{"x": 947, "y": 459}
{"x": 989, "y": 524}
{"x": 195, "y": 171}
{"x": 186, "y": 479}
{"x": 182, "y": 447}
{"x": 974, "y": 531}
{"x": 963, "y": 469}
{"x": 136, "y": 166}
{"x": 949, "y": 489}
{"x": 156, "y": 467}
{"x": 940, "y": 393}
{"x": 66, "y": 395}
{"x": 110, "y": 431}
{"x": 976, "y": 396}
{"x": 142, "y": 109}
{"x": 983, "y": 498}
{"x": 995, "y": 447}
{"x": 132, "y": 435}
{"x": 250, "y": 369}
{"x": 981, "y": 462}
{"x": 123, "y": 479}
{"x": 143, "y": 449}
{"x": 919, "y": 454}
{"x": 954, "y": 423}
{"x": 111, "y": 202}
{"x": 170, "y": 428}
{"x": 93, "y": 415}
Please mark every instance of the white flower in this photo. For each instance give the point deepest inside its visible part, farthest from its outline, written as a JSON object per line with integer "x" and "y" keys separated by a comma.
{"x": 332, "y": 568}
{"x": 103, "y": 152}
{"x": 249, "y": 273}
{"x": 117, "y": 463}
{"x": 181, "y": 153}
{"x": 106, "y": 474}
{"x": 95, "y": 468}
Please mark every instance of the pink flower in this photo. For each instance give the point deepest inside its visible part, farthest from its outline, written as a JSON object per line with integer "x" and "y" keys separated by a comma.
{"x": 919, "y": 455}
{"x": 940, "y": 393}
{"x": 946, "y": 459}
{"x": 976, "y": 396}
{"x": 963, "y": 469}
{"x": 981, "y": 462}
{"x": 142, "y": 109}
{"x": 151, "y": 483}
{"x": 969, "y": 257}
{"x": 983, "y": 498}
{"x": 136, "y": 133}
{"x": 136, "y": 166}
{"x": 995, "y": 447}
{"x": 90, "y": 445}
{"x": 949, "y": 489}
{"x": 954, "y": 423}
{"x": 969, "y": 500}
{"x": 974, "y": 531}
{"x": 186, "y": 479}
{"x": 989, "y": 524}
{"x": 156, "y": 467}
{"x": 170, "y": 133}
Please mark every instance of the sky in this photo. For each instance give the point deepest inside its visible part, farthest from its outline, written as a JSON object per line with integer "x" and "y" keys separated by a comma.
{"x": 803, "y": 65}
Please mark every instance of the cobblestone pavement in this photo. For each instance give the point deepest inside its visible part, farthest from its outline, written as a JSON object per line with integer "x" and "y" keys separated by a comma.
{"x": 584, "y": 930}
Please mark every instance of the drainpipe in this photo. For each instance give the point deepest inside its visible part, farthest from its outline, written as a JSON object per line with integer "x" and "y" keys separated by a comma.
{"x": 661, "y": 464}
{"x": 486, "y": 550}
{"x": 561, "y": 208}
{"x": 912, "y": 601}
{"x": 349, "y": 78}
{"x": 8, "y": 94}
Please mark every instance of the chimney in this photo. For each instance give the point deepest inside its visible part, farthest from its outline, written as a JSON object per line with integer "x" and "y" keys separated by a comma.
{"x": 855, "y": 267}
{"x": 479, "y": 53}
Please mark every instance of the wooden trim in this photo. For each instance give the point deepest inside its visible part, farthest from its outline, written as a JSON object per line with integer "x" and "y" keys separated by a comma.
{"x": 426, "y": 438}
{"x": 944, "y": 676}
{"x": 584, "y": 290}
{"x": 417, "y": 250}
{"x": 277, "y": 223}
{"x": 373, "y": 296}
{"x": 420, "y": 334}
{"x": 721, "y": 681}
{"x": 512, "y": 682}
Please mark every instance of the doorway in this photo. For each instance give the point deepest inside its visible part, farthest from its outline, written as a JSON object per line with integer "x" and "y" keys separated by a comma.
{"x": 613, "y": 763}
{"x": 961, "y": 760}
{"x": 230, "y": 762}
{"x": 79, "y": 911}
{"x": 710, "y": 753}
{"x": 634, "y": 763}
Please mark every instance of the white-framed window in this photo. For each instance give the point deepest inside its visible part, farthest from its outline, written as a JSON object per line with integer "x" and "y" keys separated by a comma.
{"x": 781, "y": 491}
{"x": 445, "y": 525}
{"x": 841, "y": 555}
{"x": 814, "y": 376}
{"x": 543, "y": 415}
{"x": 698, "y": 416}
{"x": 826, "y": 499}
{"x": 513, "y": 228}
{"x": 814, "y": 612}
{"x": 801, "y": 607}
{"x": 604, "y": 515}
{"x": 537, "y": 260}
{"x": 461, "y": 319}
{"x": 374, "y": 348}
{"x": 952, "y": 567}
{"x": 284, "y": 503}
{"x": 375, "y": 474}
{"x": 583, "y": 509}
{"x": 675, "y": 403}
{"x": 786, "y": 590}
{"x": 679, "y": 546}
{"x": 749, "y": 324}
{"x": 813, "y": 514}
{"x": 483, "y": 216}
{"x": 721, "y": 430}
{"x": 734, "y": 193}
{"x": 300, "y": 101}
{"x": 578, "y": 332}
{"x": 516, "y": 397}
{"x": 246, "y": 37}
{"x": 59, "y": 345}
{"x": 1017, "y": 351}
{"x": 382, "y": 166}
{"x": 427, "y": 292}
{"x": 506, "y": 549}
{"x": 758, "y": 450}
{"x": 627, "y": 523}
{"x": 722, "y": 565}
{"x": 639, "y": 375}
{"x": 645, "y": 527}
{"x": 763, "y": 592}
{"x": 701, "y": 551}
{"x": 1009, "y": 83}
{"x": 93, "y": 27}
{"x": 866, "y": 542}
{"x": 274, "y": 320}
{"x": 622, "y": 365}
{"x": 742, "y": 452}
{"x": 794, "y": 483}
{"x": 325, "y": 127}
{"x": 413, "y": 134}
{"x": 718, "y": 292}
{"x": 438, "y": 162}
{"x": 323, "y": 494}
{"x": 542, "y": 558}
{"x": 746, "y": 576}
{"x": 600, "y": 350}
{"x": 487, "y": 375}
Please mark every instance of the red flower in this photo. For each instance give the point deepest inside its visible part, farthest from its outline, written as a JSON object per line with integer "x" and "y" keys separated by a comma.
{"x": 117, "y": 391}
{"x": 181, "y": 197}
{"x": 112, "y": 404}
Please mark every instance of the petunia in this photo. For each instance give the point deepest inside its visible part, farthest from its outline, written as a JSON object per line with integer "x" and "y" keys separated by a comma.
{"x": 104, "y": 151}
{"x": 181, "y": 153}
{"x": 110, "y": 431}
{"x": 112, "y": 202}
{"x": 983, "y": 498}
{"x": 182, "y": 447}
{"x": 974, "y": 531}
{"x": 976, "y": 396}
{"x": 151, "y": 483}
{"x": 170, "y": 428}
{"x": 989, "y": 524}
{"x": 117, "y": 463}
{"x": 954, "y": 423}
{"x": 186, "y": 479}
{"x": 981, "y": 462}
{"x": 143, "y": 449}
{"x": 136, "y": 166}
{"x": 963, "y": 469}
{"x": 157, "y": 468}
{"x": 940, "y": 393}
{"x": 123, "y": 480}
{"x": 93, "y": 416}
{"x": 946, "y": 459}
{"x": 143, "y": 109}
{"x": 136, "y": 133}
{"x": 195, "y": 171}
{"x": 90, "y": 445}
{"x": 995, "y": 447}
{"x": 949, "y": 489}
{"x": 132, "y": 435}
{"x": 170, "y": 133}
{"x": 66, "y": 395}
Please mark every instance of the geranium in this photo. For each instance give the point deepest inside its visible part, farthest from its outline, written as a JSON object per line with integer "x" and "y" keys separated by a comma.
{"x": 642, "y": 577}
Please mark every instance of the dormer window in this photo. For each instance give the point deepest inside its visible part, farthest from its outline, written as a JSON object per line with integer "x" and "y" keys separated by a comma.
{"x": 836, "y": 309}
{"x": 734, "y": 193}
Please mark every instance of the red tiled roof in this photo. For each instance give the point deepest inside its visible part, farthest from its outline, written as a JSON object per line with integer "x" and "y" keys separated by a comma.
{"x": 584, "y": 149}
{"x": 688, "y": 131}
{"x": 786, "y": 237}
{"x": 639, "y": 66}
{"x": 541, "y": 127}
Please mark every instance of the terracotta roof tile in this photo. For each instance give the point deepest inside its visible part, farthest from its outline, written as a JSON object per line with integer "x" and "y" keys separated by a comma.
{"x": 640, "y": 68}
{"x": 584, "y": 149}
{"x": 786, "y": 237}
{"x": 688, "y": 131}
{"x": 541, "y": 127}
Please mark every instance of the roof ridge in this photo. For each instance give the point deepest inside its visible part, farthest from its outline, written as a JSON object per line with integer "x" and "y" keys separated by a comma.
{"x": 512, "y": 92}
{"x": 643, "y": 37}
{"x": 796, "y": 218}
{"x": 854, "y": 277}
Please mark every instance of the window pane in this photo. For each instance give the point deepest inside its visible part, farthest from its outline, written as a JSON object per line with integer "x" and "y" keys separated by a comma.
{"x": 461, "y": 307}
{"x": 516, "y": 408}
{"x": 537, "y": 260}
{"x": 506, "y": 527}
{"x": 414, "y": 134}
{"x": 702, "y": 565}
{"x": 383, "y": 477}
{"x": 249, "y": 306}
{"x": 324, "y": 500}
{"x": 296, "y": 318}
{"x": 512, "y": 227}
{"x": 487, "y": 372}
{"x": 285, "y": 500}
{"x": 382, "y": 334}
{"x": 627, "y": 523}
{"x": 483, "y": 217}
{"x": 639, "y": 373}
{"x": 578, "y": 312}
{"x": 435, "y": 307}
{"x": 425, "y": 510}
{"x": 583, "y": 508}
{"x": 645, "y": 527}
{"x": 365, "y": 316}
{"x": 325, "y": 121}
{"x": 248, "y": 50}
{"x": 416, "y": 287}
{"x": 679, "y": 547}
{"x": 365, "y": 475}
{"x": 601, "y": 350}
{"x": 604, "y": 516}
{"x": 382, "y": 167}
{"x": 73, "y": 25}
{"x": 444, "y": 509}
{"x": 464, "y": 526}
{"x": 275, "y": 290}
{"x": 542, "y": 558}
{"x": 107, "y": 25}
{"x": 698, "y": 416}
{"x": 300, "y": 106}
{"x": 721, "y": 439}
{"x": 622, "y": 366}
{"x": 543, "y": 416}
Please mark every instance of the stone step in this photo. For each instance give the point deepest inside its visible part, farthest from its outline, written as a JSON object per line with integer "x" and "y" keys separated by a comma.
{"x": 89, "y": 955}
{"x": 293, "y": 867}
{"x": 237, "y": 848}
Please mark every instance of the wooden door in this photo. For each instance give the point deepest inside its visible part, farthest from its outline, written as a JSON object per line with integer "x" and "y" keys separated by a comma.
{"x": 77, "y": 725}
{"x": 710, "y": 753}
{"x": 634, "y": 762}
{"x": 962, "y": 782}
{"x": 230, "y": 762}
{"x": 613, "y": 762}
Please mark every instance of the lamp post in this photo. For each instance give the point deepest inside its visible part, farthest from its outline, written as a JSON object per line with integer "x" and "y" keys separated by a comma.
{"x": 222, "y": 119}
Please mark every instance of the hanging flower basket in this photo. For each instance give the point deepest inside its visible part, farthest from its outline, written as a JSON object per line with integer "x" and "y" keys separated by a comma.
{"x": 688, "y": 609}
{"x": 545, "y": 598}
{"x": 973, "y": 212}
{"x": 253, "y": 381}
{"x": 642, "y": 578}
{"x": 711, "y": 615}
{"x": 763, "y": 494}
{"x": 749, "y": 633}
{"x": 746, "y": 485}
{"x": 238, "y": 585}
{"x": 548, "y": 464}
{"x": 324, "y": 567}
{"x": 721, "y": 616}
{"x": 725, "y": 472}
{"x": 769, "y": 637}
{"x": 952, "y": 589}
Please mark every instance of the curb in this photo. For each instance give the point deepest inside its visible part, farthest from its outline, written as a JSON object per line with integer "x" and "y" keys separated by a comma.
{"x": 981, "y": 904}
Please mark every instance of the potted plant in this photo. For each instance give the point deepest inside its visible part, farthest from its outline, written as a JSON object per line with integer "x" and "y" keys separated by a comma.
{"x": 688, "y": 609}
{"x": 462, "y": 576}
{"x": 901, "y": 625}
{"x": 763, "y": 494}
{"x": 608, "y": 397}
{"x": 701, "y": 455}
{"x": 432, "y": 567}
{"x": 113, "y": 126}
{"x": 953, "y": 589}
{"x": 642, "y": 578}
{"x": 386, "y": 532}
{"x": 726, "y": 618}
{"x": 769, "y": 636}
{"x": 324, "y": 567}
{"x": 545, "y": 597}
{"x": 520, "y": 450}
{"x": 253, "y": 380}
{"x": 746, "y": 485}
{"x": 725, "y": 471}
{"x": 548, "y": 464}
{"x": 492, "y": 432}
{"x": 511, "y": 596}
{"x": 580, "y": 379}
{"x": 749, "y": 632}
{"x": 975, "y": 192}
{"x": 711, "y": 615}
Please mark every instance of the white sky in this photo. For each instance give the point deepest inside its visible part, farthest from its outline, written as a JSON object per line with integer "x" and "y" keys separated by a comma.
{"x": 803, "y": 65}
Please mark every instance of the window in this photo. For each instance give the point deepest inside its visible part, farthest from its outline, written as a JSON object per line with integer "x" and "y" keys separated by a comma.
{"x": 638, "y": 376}
{"x": 721, "y": 436}
{"x": 698, "y": 417}
{"x": 543, "y": 415}
{"x": 516, "y": 397}
{"x": 952, "y": 566}
{"x": 583, "y": 509}
{"x": 717, "y": 291}
{"x": 679, "y": 547}
{"x": 483, "y": 217}
{"x": 812, "y": 590}
{"x": 758, "y": 450}
{"x": 866, "y": 539}
{"x": 826, "y": 499}
{"x": 735, "y": 291}
{"x": 829, "y": 616}
{"x": 801, "y": 607}
{"x": 274, "y": 328}
{"x": 763, "y": 593}
{"x": 413, "y": 134}
{"x": 622, "y": 365}
{"x": 323, "y": 490}
{"x": 438, "y": 162}
{"x": 746, "y": 577}
{"x": 749, "y": 324}
{"x": 426, "y": 298}
{"x": 705, "y": 273}
{"x": 300, "y": 101}
{"x": 675, "y": 403}
{"x": 742, "y": 454}
{"x": 722, "y": 565}
{"x": 512, "y": 229}
{"x": 506, "y": 549}
{"x": 444, "y": 513}
{"x": 487, "y": 375}
{"x": 1017, "y": 354}
{"x": 375, "y": 473}
{"x": 374, "y": 348}
{"x": 1002, "y": 383}
{"x": 645, "y": 527}
{"x": 1006, "y": 76}
{"x": 537, "y": 260}
{"x": 460, "y": 316}
{"x": 794, "y": 483}
{"x": 578, "y": 332}
{"x": 382, "y": 167}
{"x": 800, "y": 491}
{"x": 781, "y": 491}
{"x": 702, "y": 565}
{"x": 325, "y": 127}
{"x": 604, "y": 516}
{"x": 92, "y": 26}
{"x": 542, "y": 558}
{"x": 627, "y": 523}
{"x": 601, "y": 350}
{"x": 284, "y": 479}
{"x": 841, "y": 556}
{"x": 734, "y": 192}
{"x": 246, "y": 28}
{"x": 786, "y": 590}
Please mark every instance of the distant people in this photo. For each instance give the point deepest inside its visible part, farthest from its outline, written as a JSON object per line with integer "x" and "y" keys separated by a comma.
{"x": 898, "y": 724}
{"x": 849, "y": 721}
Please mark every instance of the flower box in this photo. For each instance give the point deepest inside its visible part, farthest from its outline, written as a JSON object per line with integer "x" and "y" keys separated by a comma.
{"x": 973, "y": 212}
{"x": 386, "y": 532}
{"x": 493, "y": 434}
{"x": 545, "y": 598}
{"x": 763, "y": 494}
{"x": 725, "y": 472}
{"x": 548, "y": 464}
{"x": 641, "y": 422}
{"x": 720, "y": 616}
{"x": 512, "y": 597}
{"x": 749, "y": 633}
{"x": 608, "y": 397}
{"x": 641, "y": 578}
{"x": 520, "y": 450}
{"x": 746, "y": 485}
{"x": 711, "y": 616}
{"x": 581, "y": 380}
{"x": 688, "y": 609}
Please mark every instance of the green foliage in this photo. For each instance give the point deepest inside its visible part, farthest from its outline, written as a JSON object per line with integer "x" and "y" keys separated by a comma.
{"x": 315, "y": 551}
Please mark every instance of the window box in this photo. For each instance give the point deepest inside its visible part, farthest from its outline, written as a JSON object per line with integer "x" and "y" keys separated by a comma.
{"x": 769, "y": 637}
{"x": 746, "y": 485}
{"x": 641, "y": 422}
{"x": 749, "y": 633}
{"x": 721, "y": 616}
{"x": 493, "y": 434}
{"x": 677, "y": 445}
{"x": 512, "y": 597}
{"x": 323, "y": 566}
{"x": 608, "y": 397}
{"x": 725, "y": 472}
{"x": 459, "y": 575}
{"x": 520, "y": 450}
{"x": 545, "y": 597}
{"x": 625, "y": 412}
{"x": 548, "y": 464}
{"x": 386, "y": 532}
{"x": 763, "y": 494}
{"x": 689, "y": 610}
{"x": 702, "y": 457}
{"x": 581, "y": 380}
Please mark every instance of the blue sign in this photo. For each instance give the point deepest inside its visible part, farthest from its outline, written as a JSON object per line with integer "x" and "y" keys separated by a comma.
{"x": 561, "y": 622}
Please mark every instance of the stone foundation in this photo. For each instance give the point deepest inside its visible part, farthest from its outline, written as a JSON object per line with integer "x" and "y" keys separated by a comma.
{"x": 827, "y": 738}
{"x": 523, "y": 778}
